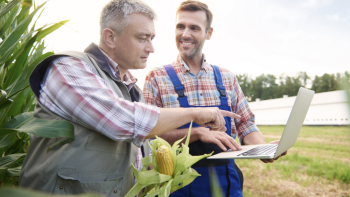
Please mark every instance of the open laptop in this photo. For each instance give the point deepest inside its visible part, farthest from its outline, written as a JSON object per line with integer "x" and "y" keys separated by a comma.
{"x": 289, "y": 136}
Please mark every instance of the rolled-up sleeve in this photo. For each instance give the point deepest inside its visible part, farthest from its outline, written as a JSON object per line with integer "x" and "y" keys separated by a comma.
{"x": 74, "y": 91}
{"x": 239, "y": 104}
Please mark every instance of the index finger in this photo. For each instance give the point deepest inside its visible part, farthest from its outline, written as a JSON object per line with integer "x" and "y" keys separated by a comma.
{"x": 229, "y": 114}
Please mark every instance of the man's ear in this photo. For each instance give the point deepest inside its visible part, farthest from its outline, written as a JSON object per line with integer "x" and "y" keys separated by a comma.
{"x": 109, "y": 37}
{"x": 210, "y": 32}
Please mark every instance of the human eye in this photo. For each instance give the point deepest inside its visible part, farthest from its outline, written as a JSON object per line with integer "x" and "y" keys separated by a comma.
{"x": 194, "y": 28}
{"x": 180, "y": 27}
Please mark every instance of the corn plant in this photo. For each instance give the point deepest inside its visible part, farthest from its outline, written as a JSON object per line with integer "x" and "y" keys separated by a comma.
{"x": 21, "y": 49}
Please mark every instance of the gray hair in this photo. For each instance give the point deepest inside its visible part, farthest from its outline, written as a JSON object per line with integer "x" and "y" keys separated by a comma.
{"x": 115, "y": 14}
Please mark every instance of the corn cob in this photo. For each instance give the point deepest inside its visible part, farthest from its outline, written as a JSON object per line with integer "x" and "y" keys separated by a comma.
{"x": 165, "y": 161}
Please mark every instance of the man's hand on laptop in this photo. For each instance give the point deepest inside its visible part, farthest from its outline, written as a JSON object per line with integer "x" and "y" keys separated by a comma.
{"x": 254, "y": 138}
{"x": 272, "y": 160}
{"x": 222, "y": 139}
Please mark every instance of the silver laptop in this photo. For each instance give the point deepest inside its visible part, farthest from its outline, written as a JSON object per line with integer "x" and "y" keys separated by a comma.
{"x": 289, "y": 136}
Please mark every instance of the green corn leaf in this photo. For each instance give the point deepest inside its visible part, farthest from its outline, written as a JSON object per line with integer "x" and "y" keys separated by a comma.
{"x": 163, "y": 191}
{"x": 15, "y": 71}
{"x": 19, "y": 120}
{"x": 146, "y": 161}
{"x": 16, "y": 147}
{"x": 155, "y": 165}
{"x": 12, "y": 53}
{"x": 9, "y": 20}
{"x": 182, "y": 177}
{"x": 9, "y": 160}
{"x": 20, "y": 68}
{"x": 37, "y": 51}
{"x": 189, "y": 134}
{"x": 44, "y": 128}
{"x": 7, "y": 140}
{"x": 149, "y": 176}
{"x": 38, "y": 60}
{"x": 3, "y": 72}
{"x": 134, "y": 190}
{"x": 13, "y": 109}
{"x": 8, "y": 7}
{"x": 26, "y": 86}
{"x": 4, "y": 132}
{"x": 50, "y": 29}
{"x": 190, "y": 179}
{"x": 4, "y": 101}
{"x": 214, "y": 184}
{"x": 6, "y": 56}
{"x": 16, "y": 34}
{"x": 5, "y": 104}
{"x": 26, "y": 5}
{"x": 13, "y": 172}
{"x": 3, "y": 96}
{"x": 30, "y": 105}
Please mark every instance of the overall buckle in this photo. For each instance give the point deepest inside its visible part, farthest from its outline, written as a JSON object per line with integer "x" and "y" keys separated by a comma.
{"x": 221, "y": 90}
{"x": 180, "y": 90}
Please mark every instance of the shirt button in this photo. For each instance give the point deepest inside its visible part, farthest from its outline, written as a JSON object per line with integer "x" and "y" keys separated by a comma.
{"x": 61, "y": 187}
{"x": 115, "y": 191}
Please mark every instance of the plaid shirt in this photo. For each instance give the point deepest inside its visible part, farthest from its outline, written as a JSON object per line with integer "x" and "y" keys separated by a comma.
{"x": 200, "y": 90}
{"x": 74, "y": 91}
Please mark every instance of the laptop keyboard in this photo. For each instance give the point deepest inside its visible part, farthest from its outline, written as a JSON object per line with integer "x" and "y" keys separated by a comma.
{"x": 261, "y": 150}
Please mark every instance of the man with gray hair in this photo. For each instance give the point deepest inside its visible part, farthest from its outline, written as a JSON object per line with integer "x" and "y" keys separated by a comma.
{"x": 95, "y": 92}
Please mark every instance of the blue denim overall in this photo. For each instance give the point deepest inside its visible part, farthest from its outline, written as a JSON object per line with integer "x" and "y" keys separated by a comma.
{"x": 226, "y": 170}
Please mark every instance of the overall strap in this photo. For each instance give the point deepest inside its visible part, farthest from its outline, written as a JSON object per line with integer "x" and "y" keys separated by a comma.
{"x": 179, "y": 88}
{"x": 219, "y": 85}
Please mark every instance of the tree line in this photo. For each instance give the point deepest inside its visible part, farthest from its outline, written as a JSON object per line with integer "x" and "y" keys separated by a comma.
{"x": 268, "y": 86}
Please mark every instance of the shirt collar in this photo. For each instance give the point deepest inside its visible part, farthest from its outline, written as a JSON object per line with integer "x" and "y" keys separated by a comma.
{"x": 129, "y": 79}
{"x": 185, "y": 68}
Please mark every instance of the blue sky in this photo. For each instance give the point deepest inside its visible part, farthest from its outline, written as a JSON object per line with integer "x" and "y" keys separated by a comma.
{"x": 251, "y": 37}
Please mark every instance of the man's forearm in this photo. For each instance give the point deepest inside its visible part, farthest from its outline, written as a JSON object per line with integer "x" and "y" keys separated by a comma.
{"x": 254, "y": 138}
{"x": 170, "y": 119}
{"x": 176, "y": 134}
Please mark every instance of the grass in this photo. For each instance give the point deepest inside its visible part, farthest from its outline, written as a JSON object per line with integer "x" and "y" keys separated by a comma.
{"x": 318, "y": 165}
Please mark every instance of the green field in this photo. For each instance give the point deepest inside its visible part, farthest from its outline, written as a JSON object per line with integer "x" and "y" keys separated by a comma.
{"x": 318, "y": 165}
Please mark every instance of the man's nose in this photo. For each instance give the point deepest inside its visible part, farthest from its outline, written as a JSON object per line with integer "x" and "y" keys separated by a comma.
{"x": 186, "y": 33}
{"x": 150, "y": 47}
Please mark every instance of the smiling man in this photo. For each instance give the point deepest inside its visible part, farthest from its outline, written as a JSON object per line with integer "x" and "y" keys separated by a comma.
{"x": 191, "y": 81}
{"x": 95, "y": 92}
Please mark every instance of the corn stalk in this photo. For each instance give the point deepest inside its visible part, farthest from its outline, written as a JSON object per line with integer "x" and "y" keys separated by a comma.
{"x": 21, "y": 49}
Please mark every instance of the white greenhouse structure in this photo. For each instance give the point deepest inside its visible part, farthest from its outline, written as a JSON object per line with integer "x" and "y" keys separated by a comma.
{"x": 327, "y": 108}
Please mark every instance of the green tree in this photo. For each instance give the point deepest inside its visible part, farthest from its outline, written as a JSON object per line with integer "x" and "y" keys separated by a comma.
{"x": 21, "y": 49}
{"x": 263, "y": 87}
{"x": 244, "y": 81}
{"x": 325, "y": 83}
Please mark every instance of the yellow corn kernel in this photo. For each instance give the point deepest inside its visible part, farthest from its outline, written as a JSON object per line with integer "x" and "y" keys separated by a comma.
{"x": 165, "y": 161}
